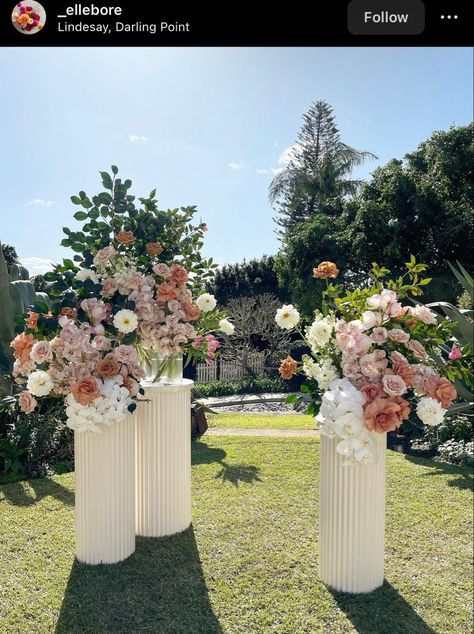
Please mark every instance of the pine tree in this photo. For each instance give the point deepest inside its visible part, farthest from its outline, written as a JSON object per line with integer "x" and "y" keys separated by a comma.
{"x": 318, "y": 170}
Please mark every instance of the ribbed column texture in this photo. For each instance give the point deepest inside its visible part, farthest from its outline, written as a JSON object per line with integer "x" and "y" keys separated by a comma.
{"x": 352, "y": 520}
{"x": 163, "y": 460}
{"x": 105, "y": 493}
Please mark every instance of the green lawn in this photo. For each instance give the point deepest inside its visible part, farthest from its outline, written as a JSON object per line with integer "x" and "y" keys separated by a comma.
{"x": 249, "y": 563}
{"x": 262, "y": 421}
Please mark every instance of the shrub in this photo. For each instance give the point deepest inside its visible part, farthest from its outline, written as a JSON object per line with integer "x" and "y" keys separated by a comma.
{"x": 457, "y": 428}
{"x": 457, "y": 452}
{"x": 32, "y": 445}
{"x": 247, "y": 385}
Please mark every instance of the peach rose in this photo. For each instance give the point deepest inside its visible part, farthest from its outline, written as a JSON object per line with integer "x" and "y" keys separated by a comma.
{"x": 441, "y": 389}
{"x": 383, "y": 415}
{"x": 397, "y": 334}
{"x": 394, "y": 385}
{"x": 32, "y": 319}
{"x": 131, "y": 385}
{"x": 68, "y": 312}
{"x": 405, "y": 371}
{"x": 86, "y": 390}
{"x": 125, "y": 237}
{"x": 371, "y": 391}
{"x": 22, "y": 345}
{"x": 404, "y": 407}
{"x": 178, "y": 274}
{"x": 103, "y": 256}
{"x": 154, "y": 248}
{"x": 107, "y": 367}
{"x": 191, "y": 311}
{"x": 288, "y": 368}
{"x": 325, "y": 270}
{"x": 109, "y": 286}
{"x": 27, "y": 402}
{"x": 167, "y": 291}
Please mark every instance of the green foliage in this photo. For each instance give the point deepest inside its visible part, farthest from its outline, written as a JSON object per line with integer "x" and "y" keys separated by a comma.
{"x": 31, "y": 444}
{"x": 460, "y": 371}
{"x": 9, "y": 254}
{"x": 115, "y": 209}
{"x": 257, "y": 276}
{"x": 247, "y": 385}
{"x": 421, "y": 206}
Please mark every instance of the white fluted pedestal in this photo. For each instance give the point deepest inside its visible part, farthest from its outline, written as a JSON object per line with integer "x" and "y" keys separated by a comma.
{"x": 352, "y": 520}
{"x": 163, "y": 460}
{"x": 105, "y": 493}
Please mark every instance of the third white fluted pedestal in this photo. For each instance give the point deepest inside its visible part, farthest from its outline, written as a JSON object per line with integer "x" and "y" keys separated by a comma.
{"x": 163, "y": 460}
{"x": 352, "y": 520}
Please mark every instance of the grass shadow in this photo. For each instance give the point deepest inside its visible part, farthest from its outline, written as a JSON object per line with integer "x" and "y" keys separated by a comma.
{"x": 18, "y": 494}
{"x": 160, "y": 589}
{"x": 201, "y": 453}
{"x": 383, "y": 611}
{"x": 235, "y": 473}
{"x": 463, "y": 477}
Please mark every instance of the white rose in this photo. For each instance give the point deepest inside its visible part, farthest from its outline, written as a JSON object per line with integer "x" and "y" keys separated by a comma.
{"x": 287, "y": 317}
{"x": 39, "y": 383}
{"x": 125, "y": 321}
{"x": 87, "y": 274}
{"x": 319, "y": 333}
{"x": 206, "y": 302}
{"x": 226, "y": 327}
{"x": 430, "y": 411}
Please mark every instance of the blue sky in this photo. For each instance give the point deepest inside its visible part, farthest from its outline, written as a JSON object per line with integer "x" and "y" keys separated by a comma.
{"x": 205, "y": 126}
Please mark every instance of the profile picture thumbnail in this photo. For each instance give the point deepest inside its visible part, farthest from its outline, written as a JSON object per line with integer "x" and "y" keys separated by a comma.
{"x": 28, "y": 18}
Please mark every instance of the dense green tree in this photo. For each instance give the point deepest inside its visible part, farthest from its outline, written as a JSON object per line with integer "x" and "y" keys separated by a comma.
{"x": 319, "y": 169}
{"x": 256, "y": 276}
{"x": 422, "y": 206}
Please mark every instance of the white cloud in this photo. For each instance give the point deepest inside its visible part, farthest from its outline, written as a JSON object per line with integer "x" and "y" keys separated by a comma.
{"x": 137, "y": 138}
{"x": 40, "y": 202}
{"x": 276, "y": 170}
{"x": 235, "y": 166}
{"x": 262, "y": 171}
{"x": 288, "y": 154}
{"x": 37, "y": 266}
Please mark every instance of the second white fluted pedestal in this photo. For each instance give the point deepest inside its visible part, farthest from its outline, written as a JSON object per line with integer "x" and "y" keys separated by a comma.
{"x": 352, "y": 520}
{"x": 105, "y": 493}
{"x": 163, "y": 460}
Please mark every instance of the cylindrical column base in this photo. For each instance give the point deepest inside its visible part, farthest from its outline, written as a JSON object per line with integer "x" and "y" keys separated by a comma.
{"x": 163, "y": 460}
{"x": 352, "y": 520}
{"x": 105, "y": 493}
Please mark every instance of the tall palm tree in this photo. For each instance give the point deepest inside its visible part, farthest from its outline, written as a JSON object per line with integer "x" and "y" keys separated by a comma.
{"x": 319, "y": 169}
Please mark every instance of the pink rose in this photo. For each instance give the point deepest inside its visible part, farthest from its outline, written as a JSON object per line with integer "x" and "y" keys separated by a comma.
{"x": 396, "y": 357}
{"x": 379, "y": 335}
{"x": 399, "y": 335}
{"x": 394, "y": 385}
{"x": 126, "y": 354}
{"x": 109, "y": 286}
{"x": 455, "y": 354}
{"x": 371, "y": 319}
{"x": 417, "y": 349}
{"x": 95, "y": 309}
{"x": 27, "y": 402}
{"x": 163, "y": 270}
{"x": 424, "y": 314}
{"x": 104, "y": 255}
{"x": 41, "y": 352}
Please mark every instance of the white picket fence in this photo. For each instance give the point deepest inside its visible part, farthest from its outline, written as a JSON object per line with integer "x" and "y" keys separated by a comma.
{"x": 225, "y": 370}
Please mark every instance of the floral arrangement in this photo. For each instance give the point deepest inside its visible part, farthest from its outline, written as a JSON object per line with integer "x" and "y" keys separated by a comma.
{"x": 110, "y": 313}
{"x": 370, "y": 363}
{"x": 27, "y": 18}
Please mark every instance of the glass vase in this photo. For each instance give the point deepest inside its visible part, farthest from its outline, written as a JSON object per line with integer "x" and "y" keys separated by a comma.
{"x": 162, "y": 370}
